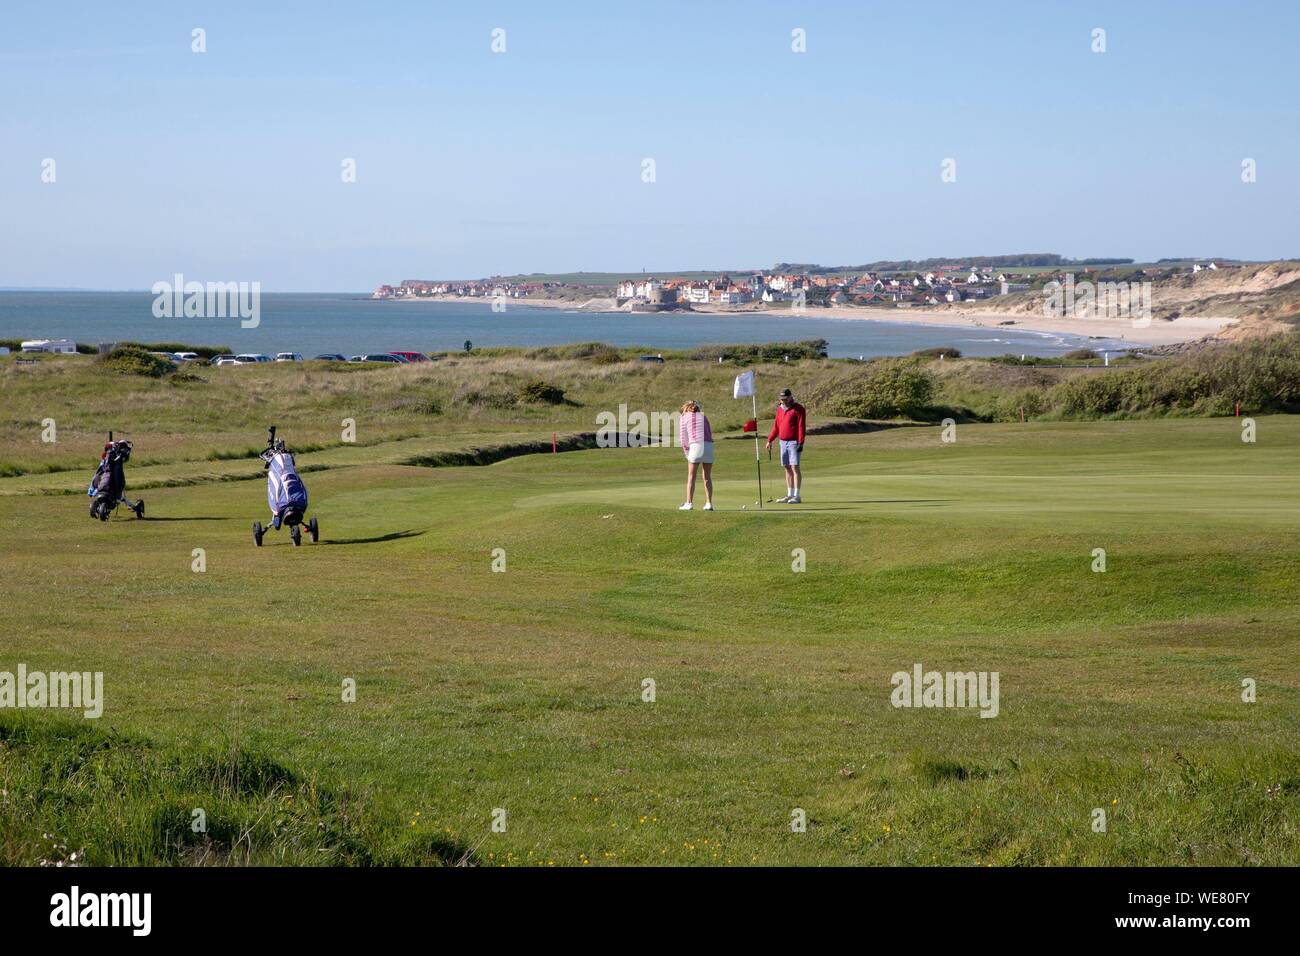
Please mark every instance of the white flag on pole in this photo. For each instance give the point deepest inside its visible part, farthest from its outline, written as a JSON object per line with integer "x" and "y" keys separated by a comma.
{"x": 744, "y": 385}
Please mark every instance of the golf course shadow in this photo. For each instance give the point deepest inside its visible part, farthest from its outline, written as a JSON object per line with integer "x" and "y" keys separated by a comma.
{"x": 901, "y": 501}
{"x": 782, "y": 510}
{"x": 195, "y": 518}
{"x": 378, "y": 539}
{"x": 848, "y": 505}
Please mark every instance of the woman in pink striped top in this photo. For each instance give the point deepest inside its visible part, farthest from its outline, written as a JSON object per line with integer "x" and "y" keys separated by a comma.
{"x": 696, "y": 439}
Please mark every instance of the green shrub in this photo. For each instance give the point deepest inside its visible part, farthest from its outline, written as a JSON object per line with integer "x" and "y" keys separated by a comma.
{"x": 202, "y": 351}
{"x": 1263, "y": 375}
{"x": 1178, "y": 386}
{"x": 944, "y": 351}
{"x": 133, "y": 360}
{"x": 1090, "y": 396}
{"x": 599, "y": 353}
{"x": 1031, "y": 360}
{"x": 540, "y": 393}
{"x": 886, "y": 389}
{"x": 1007, "y": 407}
{"x": 485, "y": 397}
{"x": 747, "y": 354}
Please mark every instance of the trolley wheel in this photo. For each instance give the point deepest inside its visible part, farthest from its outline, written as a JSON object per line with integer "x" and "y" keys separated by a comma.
{"x": 257, "y": 533}
{"x": 295, "y": 532}
{"x": 313, "y": 530}
{"x": 138, "y": 508}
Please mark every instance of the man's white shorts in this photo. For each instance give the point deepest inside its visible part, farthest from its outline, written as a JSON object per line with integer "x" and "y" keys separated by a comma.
{"x": 789, "y": 452}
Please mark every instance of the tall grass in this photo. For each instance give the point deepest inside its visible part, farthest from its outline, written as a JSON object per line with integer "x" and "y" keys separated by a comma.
{"x": 71, "y": 794}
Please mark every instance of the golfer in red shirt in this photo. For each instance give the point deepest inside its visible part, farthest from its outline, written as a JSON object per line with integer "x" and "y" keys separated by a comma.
{"x": 791, "y": 420}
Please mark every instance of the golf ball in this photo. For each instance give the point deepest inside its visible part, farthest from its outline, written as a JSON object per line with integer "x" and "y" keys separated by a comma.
{"x": 742, "y": 507}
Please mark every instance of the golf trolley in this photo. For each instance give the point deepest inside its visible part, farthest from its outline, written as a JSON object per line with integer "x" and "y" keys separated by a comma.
{"x": 109, "y": 482}
{"x": 285, "y": 493}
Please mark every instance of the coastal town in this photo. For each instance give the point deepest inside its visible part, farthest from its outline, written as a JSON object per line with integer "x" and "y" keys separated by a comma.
{"x": 758, "y": 288}
{"x": 930, "y": 288}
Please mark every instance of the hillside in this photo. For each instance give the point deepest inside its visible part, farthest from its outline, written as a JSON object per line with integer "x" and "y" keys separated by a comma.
{"x": 1263, "y": 298}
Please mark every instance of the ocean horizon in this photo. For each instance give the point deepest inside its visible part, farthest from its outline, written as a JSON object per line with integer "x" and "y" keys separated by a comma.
{"x": 352, "y": 323}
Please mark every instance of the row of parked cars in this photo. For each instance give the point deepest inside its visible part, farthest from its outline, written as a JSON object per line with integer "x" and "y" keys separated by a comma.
{"x": 253, "y": 358}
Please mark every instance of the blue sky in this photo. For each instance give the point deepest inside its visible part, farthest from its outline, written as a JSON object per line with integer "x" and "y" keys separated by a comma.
{"x": 226, "y": 165}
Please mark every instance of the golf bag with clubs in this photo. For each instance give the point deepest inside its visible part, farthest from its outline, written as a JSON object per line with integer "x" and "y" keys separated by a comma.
{"x": 285, "y": 493}
{"x": 109, "y": 483}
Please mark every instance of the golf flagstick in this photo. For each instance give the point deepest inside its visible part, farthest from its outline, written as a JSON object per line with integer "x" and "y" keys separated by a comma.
{"x": 758, "y": 459}
{"x": 744, "y": 385}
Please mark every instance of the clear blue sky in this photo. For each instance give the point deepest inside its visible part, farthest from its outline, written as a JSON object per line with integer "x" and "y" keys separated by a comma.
{"x": 226, "y": 165}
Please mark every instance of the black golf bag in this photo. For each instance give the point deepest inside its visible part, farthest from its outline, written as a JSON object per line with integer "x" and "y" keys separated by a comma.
{"x": 109, "y": 484}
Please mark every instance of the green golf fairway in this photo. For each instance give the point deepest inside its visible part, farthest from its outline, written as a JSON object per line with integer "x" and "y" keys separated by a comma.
{"x": 523, "y": 691}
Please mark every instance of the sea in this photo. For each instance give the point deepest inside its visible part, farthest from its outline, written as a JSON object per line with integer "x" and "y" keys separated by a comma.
{"x": 349, "y": 324}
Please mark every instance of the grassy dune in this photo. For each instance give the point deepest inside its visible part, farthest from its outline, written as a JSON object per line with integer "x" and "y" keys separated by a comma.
{"x": 217, "y": 414}
{"x": 523, "y": 690}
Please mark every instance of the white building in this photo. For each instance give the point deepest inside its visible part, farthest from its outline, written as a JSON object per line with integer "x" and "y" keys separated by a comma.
{"x": 62, "y": 346}
{"x": 734, "y": 296}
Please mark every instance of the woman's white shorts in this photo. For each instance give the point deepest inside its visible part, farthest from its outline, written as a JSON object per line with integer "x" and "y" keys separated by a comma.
{"x": 700, "y": 452}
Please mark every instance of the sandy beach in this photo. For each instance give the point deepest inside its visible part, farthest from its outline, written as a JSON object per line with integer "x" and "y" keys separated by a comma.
{"x": 1158, "y": 332}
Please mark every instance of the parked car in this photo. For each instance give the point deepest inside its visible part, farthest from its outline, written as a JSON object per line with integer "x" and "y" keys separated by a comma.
{"x": 650, "y": 358}
{"x": 251, "y": 358}
{"x": 288, "y": 357}
{"x": 169, "y": 356}
{"x": 411, "y": 356}
{"x": 186, "y": 356}
{"x": 329, "y": 357}
{"x": 223, "y": 360}
{"x": 377, "y": 357}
